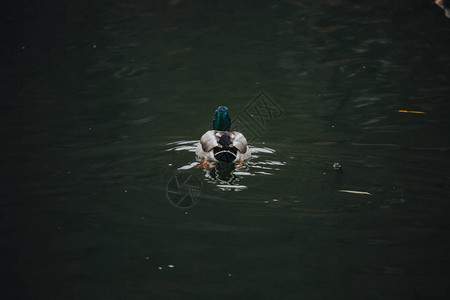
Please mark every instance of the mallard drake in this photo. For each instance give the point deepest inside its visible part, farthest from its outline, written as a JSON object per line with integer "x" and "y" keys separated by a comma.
{"x": 221, "y": 144}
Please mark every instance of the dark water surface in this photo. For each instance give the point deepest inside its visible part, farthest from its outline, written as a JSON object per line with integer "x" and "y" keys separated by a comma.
{"x": 102, "y": 104}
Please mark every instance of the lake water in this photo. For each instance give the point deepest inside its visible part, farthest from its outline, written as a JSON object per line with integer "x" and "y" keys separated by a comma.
{"x": 104, "y": 103}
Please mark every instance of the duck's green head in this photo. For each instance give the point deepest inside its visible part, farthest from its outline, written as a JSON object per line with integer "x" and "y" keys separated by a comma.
{"x": 222, "y": 120}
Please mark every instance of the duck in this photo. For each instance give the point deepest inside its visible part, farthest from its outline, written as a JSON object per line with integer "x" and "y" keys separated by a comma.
{"x": 220, "y": 144}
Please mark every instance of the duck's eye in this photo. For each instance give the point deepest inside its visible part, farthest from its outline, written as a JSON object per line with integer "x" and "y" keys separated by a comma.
{"x": 231, "y": 145}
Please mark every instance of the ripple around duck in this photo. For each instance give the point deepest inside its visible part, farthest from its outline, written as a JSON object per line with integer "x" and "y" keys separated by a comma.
{"x": 183, "y": 146}
{"x": 226, "y": 177}
{"x": 262, "y": 150}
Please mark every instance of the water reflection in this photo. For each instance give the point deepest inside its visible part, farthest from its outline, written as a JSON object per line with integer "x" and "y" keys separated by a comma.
{"x": 226, "y": 176}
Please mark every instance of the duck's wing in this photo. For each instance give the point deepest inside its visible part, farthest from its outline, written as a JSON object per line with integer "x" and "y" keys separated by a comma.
{"x": 209, "y": 140}
{"x": 239, "y": 141}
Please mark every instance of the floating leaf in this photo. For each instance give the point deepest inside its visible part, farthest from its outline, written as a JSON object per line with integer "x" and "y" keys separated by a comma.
{"x": 410, "y": 111}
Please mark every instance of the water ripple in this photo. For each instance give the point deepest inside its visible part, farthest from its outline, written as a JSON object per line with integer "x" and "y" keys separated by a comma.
{"x": 227, "y": 176}
{"x": 183, "y": 145}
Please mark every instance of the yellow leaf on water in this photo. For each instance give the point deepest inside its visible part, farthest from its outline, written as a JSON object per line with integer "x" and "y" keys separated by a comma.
{"x": 411, "y": 111}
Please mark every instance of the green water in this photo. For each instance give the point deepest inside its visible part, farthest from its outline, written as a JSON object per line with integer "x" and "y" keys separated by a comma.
{"x": 103, "y": 105}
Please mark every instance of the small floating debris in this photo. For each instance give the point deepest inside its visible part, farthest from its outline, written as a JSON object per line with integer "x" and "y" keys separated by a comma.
{"x": 171, "y": 266}
{"x": 337, "y": 167}
{"x": 411, "y": 111}
{"x": 355, "y": 192}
